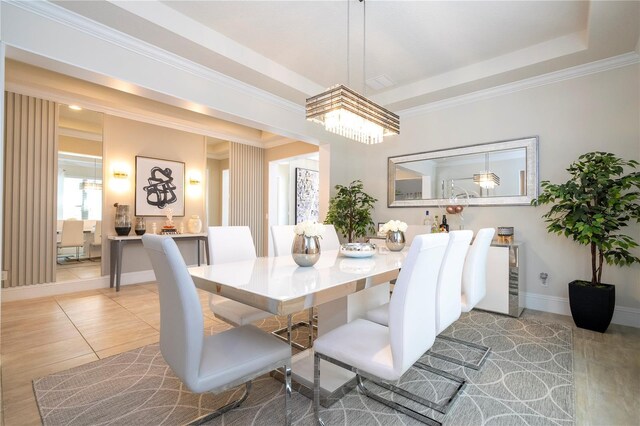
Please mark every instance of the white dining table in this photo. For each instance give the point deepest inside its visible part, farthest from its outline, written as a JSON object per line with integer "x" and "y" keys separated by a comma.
{"x": 341, "y": 288}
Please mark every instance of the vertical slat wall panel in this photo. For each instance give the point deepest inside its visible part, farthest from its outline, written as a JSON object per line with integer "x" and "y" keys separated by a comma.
{"x": 29, "y": 244}
{"x": 246, "y": 164}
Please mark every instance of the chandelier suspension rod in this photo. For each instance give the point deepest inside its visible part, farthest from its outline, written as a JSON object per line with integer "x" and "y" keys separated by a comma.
{"x": 364, "y": 47}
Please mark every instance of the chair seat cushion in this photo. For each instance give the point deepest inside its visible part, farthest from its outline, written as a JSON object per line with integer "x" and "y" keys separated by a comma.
{"x": 362, "y": 344}
{"x": 234, "y": 356}
{"x": 379, "y": 315}
{"x": 235, "y": 313}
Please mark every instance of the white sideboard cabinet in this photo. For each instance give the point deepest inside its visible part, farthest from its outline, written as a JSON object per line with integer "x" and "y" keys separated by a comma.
{"x": 505, "y": 275}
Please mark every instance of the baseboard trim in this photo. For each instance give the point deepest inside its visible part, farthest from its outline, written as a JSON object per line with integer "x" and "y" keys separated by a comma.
{"x": 560, "y": 305}
{"x": 553, "y": 304}
{"x": 52, "y": 289}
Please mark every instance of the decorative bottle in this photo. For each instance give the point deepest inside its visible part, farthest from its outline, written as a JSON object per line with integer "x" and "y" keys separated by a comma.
{"x": 435, "y": 226}
{"x": 427, "y": 220}
{"x": 444, "y": 226}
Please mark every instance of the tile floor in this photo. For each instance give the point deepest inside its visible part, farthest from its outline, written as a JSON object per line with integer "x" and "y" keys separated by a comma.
{"x": 72, "y": 270}
{"x": 46, "y": 335}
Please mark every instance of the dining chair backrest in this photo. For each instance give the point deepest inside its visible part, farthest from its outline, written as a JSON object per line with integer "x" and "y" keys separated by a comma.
{"x": 181, "y": 321}
{"x": 412, "y": 328}
{"x": 282, "y": 237}
{"x": 72, "y": 233}
{"x": 449, "y": 289}
{"x": 474, "y": 274}
{"x": 230, "y": 244}
{"x": 330, "y": 240}
{"x": 97, "y": 233}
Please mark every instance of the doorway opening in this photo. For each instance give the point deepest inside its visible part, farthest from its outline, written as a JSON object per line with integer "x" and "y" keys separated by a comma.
{"x": 294, "y": 184}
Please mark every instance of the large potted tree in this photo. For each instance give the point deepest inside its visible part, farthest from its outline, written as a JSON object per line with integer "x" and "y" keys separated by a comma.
{"x": 350, "y": 211}
{"x": 592, "y": 208}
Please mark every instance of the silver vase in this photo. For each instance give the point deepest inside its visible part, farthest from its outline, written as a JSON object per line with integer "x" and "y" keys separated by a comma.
{"x": 395, "y": 240}
{"x": 305, "y": 250}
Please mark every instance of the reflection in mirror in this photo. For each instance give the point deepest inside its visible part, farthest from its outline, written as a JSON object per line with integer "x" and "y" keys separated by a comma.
{"x": 496, "y": 173}
{"x": 79, "y": 206}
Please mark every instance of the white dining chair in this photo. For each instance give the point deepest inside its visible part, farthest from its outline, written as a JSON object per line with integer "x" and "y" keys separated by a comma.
{"x": 208, "y": 363}
{"x": 232, "y": 244}
{"x": 282, "y": 237}
{"x": 72, "y": 236}
{"x": 97, "y": 238}
{"x": 449, "y": 288}
{"x": 330, "y": 240}
{"x": 474, "y": 288}
{"x": 448, "y": 302}
{"x": 382, "y": 354}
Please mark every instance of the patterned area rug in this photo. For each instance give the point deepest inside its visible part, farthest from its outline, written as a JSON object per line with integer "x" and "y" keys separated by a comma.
{"x": 526, "y": 380}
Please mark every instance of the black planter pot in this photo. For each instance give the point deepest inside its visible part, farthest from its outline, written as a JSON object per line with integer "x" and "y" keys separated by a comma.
{"x": 592, "y": 307}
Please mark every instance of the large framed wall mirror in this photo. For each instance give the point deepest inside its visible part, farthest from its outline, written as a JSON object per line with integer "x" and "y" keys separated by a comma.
{"x": 498, "y": 173}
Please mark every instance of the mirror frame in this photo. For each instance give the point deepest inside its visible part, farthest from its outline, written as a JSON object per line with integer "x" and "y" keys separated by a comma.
{"x": 532, "y": 176}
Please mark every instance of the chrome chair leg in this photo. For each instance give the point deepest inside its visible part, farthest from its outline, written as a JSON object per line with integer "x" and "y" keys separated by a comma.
{"x": 389, "y": 403}
{"x": 223, "y": 409}
{"x": 287, "y": 394}
{"x": 485, "y": 353}
{"x": 444, "y": 408}
{"x": 396, "y": 406}
{"x": 316, "y": 388}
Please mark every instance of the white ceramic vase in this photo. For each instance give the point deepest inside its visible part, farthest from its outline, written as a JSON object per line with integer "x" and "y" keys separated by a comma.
{"x": 195, "y": 224}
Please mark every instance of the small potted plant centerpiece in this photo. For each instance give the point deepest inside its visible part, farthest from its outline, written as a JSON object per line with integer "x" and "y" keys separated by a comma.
{"x": 592, "y": 208}
{"x": 350, "y": 211}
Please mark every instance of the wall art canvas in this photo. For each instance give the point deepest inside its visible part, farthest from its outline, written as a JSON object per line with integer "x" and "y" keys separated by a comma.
{"x": 307, "y": 195}
{"x": 159, "y": 187}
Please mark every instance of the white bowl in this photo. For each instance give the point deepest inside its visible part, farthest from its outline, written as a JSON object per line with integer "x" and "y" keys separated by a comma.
{"x": 358, "y": 250}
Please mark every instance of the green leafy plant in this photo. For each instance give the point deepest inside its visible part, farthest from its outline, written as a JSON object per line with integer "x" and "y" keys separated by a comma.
{"x": 350, "y": 211}
{"x": 593, "y": 206}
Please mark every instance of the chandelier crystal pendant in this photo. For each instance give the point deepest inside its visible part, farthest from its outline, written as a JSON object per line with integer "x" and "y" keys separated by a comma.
{"x": 486, "y": 180}
{"x": 347, "y": 113}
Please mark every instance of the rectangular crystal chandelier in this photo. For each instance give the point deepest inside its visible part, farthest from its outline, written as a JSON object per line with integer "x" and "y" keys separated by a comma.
{"x": 487, "y": 180}
{"x": 349, "y": 114}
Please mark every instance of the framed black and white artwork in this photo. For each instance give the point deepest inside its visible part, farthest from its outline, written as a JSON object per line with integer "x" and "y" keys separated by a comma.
{"x": 159, "y": 187}
{"x": 307, "y": 196}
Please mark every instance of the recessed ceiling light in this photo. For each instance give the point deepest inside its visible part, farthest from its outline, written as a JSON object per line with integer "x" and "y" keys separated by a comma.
{"x": 75, "y": 107}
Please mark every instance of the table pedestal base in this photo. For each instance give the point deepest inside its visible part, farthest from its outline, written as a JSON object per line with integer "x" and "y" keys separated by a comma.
{"x": 335, "y": 382}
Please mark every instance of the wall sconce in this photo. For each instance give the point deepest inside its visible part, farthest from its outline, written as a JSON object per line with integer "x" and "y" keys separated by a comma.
{"x": 120, "y": 181}
{"x": 195, "y": 184}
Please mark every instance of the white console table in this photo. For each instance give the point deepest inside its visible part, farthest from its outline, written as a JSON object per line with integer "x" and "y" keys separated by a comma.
{"x": 505, "y": 273}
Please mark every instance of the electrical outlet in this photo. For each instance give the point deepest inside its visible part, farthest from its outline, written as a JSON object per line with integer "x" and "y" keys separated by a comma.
{"x": 543, "y": 279}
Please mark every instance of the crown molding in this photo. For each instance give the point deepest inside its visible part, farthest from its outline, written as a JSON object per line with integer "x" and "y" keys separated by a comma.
{"x": 602, "y": 65}
{"x": 110, "y": 35}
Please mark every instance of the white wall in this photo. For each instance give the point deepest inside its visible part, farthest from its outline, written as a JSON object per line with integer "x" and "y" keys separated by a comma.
{"x": 595, "y": 112}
